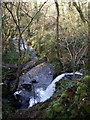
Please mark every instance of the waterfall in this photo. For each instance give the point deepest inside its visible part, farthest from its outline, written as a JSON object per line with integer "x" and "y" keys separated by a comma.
{"x": 46, "y": 94}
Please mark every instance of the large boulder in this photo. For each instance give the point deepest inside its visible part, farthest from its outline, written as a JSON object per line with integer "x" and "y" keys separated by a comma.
{"x": 39, "y": 76}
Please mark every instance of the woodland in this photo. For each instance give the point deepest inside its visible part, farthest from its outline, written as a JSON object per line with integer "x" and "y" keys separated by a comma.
{"x": 35, "y": 36}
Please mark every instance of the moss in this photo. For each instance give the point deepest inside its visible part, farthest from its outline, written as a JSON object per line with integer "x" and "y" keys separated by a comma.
{"x": 66, "y": 106}
{"x": 56, "y": 108}
{"x": 11, "y": 57}
{"x": 49, "y": 114}
{"x": 8, "y": 111}
{"x": 73, "y": 113}
{"x": 71, "y": 107}
{"x": 87, "y": 107}
{"x": 56, "y": 112}
{"x": 4, "y": 90}
{"x": 60, "y": 100}
{"x": 78, "y": 83}
{"x": 81, "y": 88}
{"x": 86, "y": 80}
{"x": 41, "y": 106}
{"x": 76, "y": 98}
{"x": 64, "y": 95}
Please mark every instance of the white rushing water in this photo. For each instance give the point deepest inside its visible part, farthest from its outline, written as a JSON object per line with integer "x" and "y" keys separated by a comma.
{"x": 46, "y": 94}
{"x": 17, "y": 93}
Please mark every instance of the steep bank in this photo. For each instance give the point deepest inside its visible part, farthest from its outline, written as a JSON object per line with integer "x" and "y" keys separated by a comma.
{"x": 69, "y": 101}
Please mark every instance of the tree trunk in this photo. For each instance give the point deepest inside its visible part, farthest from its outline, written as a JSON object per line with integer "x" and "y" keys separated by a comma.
{"x": 57, "y": 34}
{"x": 57, "y": 27}
{"x": 78, "y": 8}
{"x": 88, "y": 42}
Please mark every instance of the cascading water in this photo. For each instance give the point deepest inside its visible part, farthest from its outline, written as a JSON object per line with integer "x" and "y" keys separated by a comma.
{"x": 46, "y": 94}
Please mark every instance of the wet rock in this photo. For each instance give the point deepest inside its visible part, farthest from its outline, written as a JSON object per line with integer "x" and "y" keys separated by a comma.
{"x": 34, "y": 81}
{"x": 5, "y": 101}
{"x": 29, "y": 65}
{"x": 39, "y": 76}
{"x": 27, "y": 87}
{"x": 34, "y": 62}
{"x": 25, "y": 104}
{"x": 33, "y": 55}
{"x": 42, "y": 73}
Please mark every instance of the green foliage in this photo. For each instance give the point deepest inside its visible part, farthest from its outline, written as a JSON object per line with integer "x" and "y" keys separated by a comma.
{"x": 41, "y": 106}
{"x": 71, "y": 100}
{"x": 8, "y": 111}
{"x": 72, "y": 104}
{"x": 66, "y": 84}
{"x": 63, "y": 85}
{"x": 5, "y": 90}
{"x": 26, "y": 58}
{"x": 86, "y": 80}
{"x": 11, "y": 57}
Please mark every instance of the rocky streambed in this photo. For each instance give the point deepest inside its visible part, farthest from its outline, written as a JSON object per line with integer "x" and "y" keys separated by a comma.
{"x": 37, "y": 85}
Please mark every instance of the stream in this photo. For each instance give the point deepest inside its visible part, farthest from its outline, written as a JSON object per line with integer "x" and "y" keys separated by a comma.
{"x": 37, "y": 84}
{"x": 46, "y": 94}
{"x": 41, "y": 94}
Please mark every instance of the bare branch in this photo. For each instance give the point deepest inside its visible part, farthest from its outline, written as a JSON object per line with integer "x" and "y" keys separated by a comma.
{"x": 78, "y": 8}
{"x": 80, "y": 52}
{"x": 67, "y": 46}
{"x": 78, "y": 61}
{"x": 34, "y": 16}
{"x": 15, "y": 21}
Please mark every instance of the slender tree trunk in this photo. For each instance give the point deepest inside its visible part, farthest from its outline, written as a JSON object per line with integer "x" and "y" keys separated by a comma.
{"x": 88, "y": 42}
{"x": 19, "y": 49}
{"x": 17, "y": 23}
{"x": 78, "y": 8}
{"x": 0, "y": 60}
{"x": 57, "y": 27}
{"x": 57, "y": 34}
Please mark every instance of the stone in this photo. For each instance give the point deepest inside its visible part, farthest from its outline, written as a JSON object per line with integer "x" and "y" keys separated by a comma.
{"x": 27, "y": 87}
{"x": 39, "y": 76}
